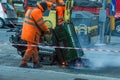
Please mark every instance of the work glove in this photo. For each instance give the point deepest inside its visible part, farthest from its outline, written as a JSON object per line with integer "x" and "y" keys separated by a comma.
{"x": 48, "y": 37}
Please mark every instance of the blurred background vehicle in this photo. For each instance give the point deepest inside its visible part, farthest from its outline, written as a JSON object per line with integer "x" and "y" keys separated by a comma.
{"x": 19, "y": 9}
{"x": 116, "y": 32}
{"x": 7, "y": 15}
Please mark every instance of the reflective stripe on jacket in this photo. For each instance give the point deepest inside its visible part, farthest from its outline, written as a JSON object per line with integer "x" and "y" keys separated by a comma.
{"x": 33, "y": 25}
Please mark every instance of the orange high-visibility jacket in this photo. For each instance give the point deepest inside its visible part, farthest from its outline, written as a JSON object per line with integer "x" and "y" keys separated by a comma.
{"x": 33, "y": 25}
{"x": 56, "y": 1}
{"x": 60, "y": 10}
{"x": 49, "y": 3}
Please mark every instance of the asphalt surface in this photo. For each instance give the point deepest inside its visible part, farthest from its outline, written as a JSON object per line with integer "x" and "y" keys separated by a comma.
{"x": 104, "y": 65}
{"x": 15, "y": 73}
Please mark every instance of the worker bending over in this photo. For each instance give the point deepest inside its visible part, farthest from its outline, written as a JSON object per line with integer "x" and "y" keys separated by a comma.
{"x": 33, "y": 27}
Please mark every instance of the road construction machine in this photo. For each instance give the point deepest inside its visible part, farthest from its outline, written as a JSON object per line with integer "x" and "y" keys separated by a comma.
{"x": 61, "y": 47}
{"x": 81, "y": 22}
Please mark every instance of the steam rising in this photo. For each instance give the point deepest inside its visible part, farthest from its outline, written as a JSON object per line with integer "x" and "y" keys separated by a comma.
{"x": 103, "y": 59}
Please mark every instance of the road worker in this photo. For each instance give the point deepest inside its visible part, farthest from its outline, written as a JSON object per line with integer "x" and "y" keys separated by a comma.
{"x": 33, "y": 27}
{"x": 59, "y": 5}
{"x": 60, "y": 9}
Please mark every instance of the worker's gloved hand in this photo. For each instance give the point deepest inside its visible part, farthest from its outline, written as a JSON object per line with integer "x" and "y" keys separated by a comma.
{"x": 48, "y": 37}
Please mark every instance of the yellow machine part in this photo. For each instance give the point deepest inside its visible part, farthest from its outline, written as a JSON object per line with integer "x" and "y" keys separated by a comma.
{"x": 92, "y": 28}
{"x": 67, "y": 16}
{"x": 88, "y": 29}
{"x": 51, "y": 19}
{"x": 68, "y": 5}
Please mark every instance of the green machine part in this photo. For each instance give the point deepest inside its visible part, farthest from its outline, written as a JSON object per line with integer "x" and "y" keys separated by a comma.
{"x": 67, "y": 37}
{"x": 64, "y": 35}
{"x": 72, "y": 40}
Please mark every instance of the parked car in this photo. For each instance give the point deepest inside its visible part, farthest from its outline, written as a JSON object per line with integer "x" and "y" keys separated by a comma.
{"x": 7, "y": 15}
{"x": 20, "y": 11}
{"x": 116, "y": 31}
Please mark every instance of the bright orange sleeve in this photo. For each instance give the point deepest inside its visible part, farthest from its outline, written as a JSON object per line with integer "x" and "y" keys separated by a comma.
{"x": 37, "y": 14}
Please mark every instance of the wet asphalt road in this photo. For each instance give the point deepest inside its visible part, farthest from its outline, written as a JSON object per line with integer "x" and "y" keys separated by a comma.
{"x": 106, "y": 66}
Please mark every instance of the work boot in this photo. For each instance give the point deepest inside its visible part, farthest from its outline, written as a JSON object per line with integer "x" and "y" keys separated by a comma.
{"x": 23, "y": 64}
{"x": 35, "y": 59}
{"x": 37, "y": 65}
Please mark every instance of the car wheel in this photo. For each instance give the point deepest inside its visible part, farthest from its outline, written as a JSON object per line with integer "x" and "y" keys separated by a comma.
{"x": 116, "y": 32}
{"x": 1, "y": 23}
